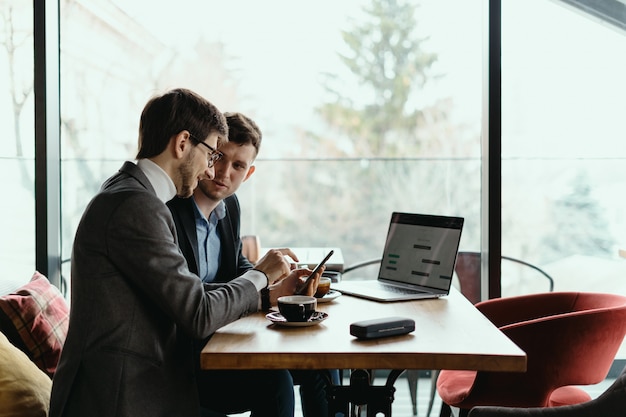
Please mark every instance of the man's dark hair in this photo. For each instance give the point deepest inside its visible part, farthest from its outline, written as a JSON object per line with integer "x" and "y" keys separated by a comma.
{"x": 167, "y": 115}
{"x": 243, "y": 130}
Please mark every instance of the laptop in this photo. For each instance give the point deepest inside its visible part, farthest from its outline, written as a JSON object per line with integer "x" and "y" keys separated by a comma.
{"x": 417, "y": 262}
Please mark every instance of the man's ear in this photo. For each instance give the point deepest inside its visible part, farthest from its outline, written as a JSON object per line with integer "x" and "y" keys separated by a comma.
{"x": 180, "y": 143}
{"x": 250, "y": 171}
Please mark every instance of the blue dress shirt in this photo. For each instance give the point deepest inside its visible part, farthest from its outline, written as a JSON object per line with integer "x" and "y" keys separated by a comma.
{"x": 209, "y": 248}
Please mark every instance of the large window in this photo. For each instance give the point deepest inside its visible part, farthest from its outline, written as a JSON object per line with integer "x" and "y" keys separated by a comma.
{"x": 17, "y": 153}
{"x": 367, "y": 106}
{"x": 563, "y": 149}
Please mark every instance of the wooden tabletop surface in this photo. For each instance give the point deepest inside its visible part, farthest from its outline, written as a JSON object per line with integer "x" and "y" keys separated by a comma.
{"x": 450, "y": 334}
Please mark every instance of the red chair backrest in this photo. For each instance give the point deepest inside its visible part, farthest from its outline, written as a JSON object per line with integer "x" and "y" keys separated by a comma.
{"x": 569, "y": 339}
{"x": 467, "y": 268}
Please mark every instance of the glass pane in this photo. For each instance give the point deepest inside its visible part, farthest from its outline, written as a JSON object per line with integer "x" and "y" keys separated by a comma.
{"x": 17, "y": 153}
{"x": 563, "y": 154}
{"x": 350, "y": 133}
{"x": 562, "y": 146}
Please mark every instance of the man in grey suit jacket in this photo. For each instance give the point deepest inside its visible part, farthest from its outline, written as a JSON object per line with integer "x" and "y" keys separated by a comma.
{"x": 136, "y": 308}
{"x": 208, "y": 227}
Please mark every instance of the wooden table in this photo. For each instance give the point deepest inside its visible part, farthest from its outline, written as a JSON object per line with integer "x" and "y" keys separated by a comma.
{"x": 450, "y": 334}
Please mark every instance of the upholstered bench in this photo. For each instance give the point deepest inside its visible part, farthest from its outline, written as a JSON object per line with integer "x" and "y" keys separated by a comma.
{"x": 33, "y": 325}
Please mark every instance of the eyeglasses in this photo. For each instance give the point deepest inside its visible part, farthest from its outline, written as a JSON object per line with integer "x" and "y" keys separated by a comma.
{"x": 213, "y": 156}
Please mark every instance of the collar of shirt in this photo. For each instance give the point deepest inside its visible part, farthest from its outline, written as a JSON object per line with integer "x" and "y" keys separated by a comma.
{"x": 209, "y": 243}
{"x": 161, "y": 182}
{"x": 218, "y": 213}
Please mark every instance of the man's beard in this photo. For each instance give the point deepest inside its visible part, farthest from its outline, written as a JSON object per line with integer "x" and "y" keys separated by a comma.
{"x": 186, "y": 175}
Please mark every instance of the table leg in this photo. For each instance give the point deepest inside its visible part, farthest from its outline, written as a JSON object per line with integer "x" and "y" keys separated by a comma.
{"x": 360, "y": 392}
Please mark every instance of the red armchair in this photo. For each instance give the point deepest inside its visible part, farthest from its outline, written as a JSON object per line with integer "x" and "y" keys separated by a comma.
{"x": 569, "y": 338}
{"x": 611, "y": 403}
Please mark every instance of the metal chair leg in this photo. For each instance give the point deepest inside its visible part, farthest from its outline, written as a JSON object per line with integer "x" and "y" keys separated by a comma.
{"x": 412, "y": 378}
{"x": 433, "y": 390}
{"x": 445, "y": 411}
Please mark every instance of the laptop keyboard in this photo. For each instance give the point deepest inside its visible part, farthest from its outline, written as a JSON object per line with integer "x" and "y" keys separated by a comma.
{"x": 399, "y": 290}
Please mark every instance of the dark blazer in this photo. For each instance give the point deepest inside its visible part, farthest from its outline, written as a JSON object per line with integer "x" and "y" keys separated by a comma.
{"x": 136, "y": 310}
{"x": 232, "y": 261}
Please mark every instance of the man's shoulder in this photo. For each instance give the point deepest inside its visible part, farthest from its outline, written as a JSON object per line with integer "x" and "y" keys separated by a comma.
{"x": 128, "y": 193}
{"x": 182, "y": 212}
{"x": 179, "y": 203}
{"x": 122, "y": 199}
{"x": 232, "y": 205}
{"x": 122, "y": 183}
{"x": 128, "y": 177}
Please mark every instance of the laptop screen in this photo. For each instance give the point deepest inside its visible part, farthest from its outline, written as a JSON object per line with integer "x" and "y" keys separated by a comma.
{"x": 421, "y": 250}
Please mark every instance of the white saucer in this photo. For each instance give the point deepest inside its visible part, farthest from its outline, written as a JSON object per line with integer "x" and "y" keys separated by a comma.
{"x": 277, "y": 318}
{"x": 332, "y": 294}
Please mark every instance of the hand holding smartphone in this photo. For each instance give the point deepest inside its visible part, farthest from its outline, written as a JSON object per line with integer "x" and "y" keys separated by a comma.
{"x": 315, "y": 270}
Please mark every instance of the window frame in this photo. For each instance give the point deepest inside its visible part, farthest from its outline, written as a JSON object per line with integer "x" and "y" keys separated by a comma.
{"x": 47, "y": 140}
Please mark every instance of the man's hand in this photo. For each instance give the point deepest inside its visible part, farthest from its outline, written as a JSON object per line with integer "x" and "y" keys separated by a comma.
{"x": 294, "y": 280}
{"x": 275, "y": 265}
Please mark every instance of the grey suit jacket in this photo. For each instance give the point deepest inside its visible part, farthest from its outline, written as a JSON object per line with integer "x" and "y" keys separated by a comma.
{"x": 136, "y": 310}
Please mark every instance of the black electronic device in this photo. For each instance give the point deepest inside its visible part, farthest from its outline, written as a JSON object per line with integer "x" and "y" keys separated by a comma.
{"x": 382, "y": 327}
{"x": 317, "y": 268}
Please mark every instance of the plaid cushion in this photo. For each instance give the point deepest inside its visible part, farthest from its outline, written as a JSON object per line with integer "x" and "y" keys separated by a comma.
{"x": 39, "y": 315}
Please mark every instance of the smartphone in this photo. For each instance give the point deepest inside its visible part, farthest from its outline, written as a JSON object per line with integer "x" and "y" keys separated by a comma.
{"x": 317, "y": 268}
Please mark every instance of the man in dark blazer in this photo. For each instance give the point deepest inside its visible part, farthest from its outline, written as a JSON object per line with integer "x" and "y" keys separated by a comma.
{"x": 136, "y": 309}
{"x": 232, "y": 261}
{"x": 214, "y": 212}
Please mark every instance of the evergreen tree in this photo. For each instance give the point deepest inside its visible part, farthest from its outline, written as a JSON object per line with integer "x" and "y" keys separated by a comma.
{"x": 579, "y": 224}
{"x": 389, "y": 64}
{"x": 375, "y": 121}
{"x": 376, "y": 130}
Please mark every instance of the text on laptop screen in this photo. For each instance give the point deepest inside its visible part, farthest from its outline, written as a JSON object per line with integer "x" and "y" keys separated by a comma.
{"x": 420, "y": 254}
